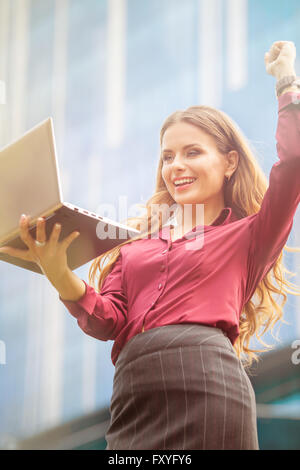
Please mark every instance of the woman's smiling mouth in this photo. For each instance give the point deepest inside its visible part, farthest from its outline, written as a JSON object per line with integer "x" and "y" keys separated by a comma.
{"x": 186, "y": 182}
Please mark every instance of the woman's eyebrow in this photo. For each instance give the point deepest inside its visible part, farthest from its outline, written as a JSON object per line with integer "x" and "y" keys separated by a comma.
{"x": 184, "y": 148}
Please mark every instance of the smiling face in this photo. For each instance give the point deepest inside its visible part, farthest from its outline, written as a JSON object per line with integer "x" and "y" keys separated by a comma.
{"x": 187, "y": 151}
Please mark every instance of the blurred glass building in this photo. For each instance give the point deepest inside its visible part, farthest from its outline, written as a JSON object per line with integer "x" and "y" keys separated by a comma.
{"x": 109, "y": 72}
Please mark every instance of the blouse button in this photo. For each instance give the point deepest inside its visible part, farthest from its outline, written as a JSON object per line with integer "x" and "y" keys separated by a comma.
{"x": 162, "y": 268}
{"x": 165, "y": 251}
{"x": 159, "y": 286}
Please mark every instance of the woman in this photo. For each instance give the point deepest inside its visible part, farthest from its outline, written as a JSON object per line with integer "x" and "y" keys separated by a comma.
{"x": 178, "y": 301}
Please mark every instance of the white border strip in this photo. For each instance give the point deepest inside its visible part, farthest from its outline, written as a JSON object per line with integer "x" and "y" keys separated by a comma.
{"x": 89, "y": 374}
{"x": 4, "y": 52}
{"x": 19, "y": 64}
{"x": 116, "y": 71}
{"x": 237, "y": 44}
{"x": 2, "y": 92}
{"x": 51, "y": 377}
{"x": 210, "y": 53}
{"x": 60, "y": 47}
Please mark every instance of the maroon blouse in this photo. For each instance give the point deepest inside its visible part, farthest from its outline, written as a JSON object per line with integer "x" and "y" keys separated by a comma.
{"x": 157, "y": 282}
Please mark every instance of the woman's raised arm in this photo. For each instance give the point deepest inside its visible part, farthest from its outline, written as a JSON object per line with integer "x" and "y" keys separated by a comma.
{"x": 271, "y": 226}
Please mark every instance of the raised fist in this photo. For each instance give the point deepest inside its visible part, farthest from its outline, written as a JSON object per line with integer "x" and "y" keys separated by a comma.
{"x": 280, "y": 60}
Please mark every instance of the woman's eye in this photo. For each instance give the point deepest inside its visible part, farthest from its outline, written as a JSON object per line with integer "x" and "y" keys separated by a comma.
{"x": 193, "y": 152}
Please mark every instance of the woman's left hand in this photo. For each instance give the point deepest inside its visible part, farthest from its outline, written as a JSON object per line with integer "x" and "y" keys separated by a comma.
{"x": 280, "y": 60}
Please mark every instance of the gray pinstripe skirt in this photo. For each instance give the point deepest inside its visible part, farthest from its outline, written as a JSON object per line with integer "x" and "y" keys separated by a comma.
{"x": 181, "y": 387}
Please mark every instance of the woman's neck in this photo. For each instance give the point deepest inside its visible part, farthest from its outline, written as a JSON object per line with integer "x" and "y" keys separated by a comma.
{"x": 198, "y": 214}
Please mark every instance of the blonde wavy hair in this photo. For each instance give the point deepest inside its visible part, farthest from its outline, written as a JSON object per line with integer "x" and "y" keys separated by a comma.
{"x": 244, "y": 194}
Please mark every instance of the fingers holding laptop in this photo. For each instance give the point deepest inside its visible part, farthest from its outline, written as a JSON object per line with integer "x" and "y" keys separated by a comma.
{"x": 27, "y": 239}
{"x": 49, "y": 255}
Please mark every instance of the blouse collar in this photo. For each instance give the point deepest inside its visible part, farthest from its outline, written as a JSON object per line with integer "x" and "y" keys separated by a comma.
{"x": 225, "y": 217}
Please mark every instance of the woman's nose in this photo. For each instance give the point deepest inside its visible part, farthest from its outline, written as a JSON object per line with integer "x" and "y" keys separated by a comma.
{"x": 178, "y": 162}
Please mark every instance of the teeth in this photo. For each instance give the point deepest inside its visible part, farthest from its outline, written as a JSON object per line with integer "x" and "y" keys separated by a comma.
{"x": 184, "y": 180}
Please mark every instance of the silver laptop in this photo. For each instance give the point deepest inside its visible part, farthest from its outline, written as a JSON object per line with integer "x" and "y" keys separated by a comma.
{"x": 30, "y": 184}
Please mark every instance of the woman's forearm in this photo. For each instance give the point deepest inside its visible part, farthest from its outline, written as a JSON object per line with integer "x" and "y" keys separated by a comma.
{"x": 290, "y": 88}
{"x": 285, "y": 73}
{"x": 70, "y": 286}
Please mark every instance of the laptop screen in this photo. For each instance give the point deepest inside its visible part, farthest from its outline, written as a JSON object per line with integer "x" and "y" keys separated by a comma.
{"x": 29, "y": 178}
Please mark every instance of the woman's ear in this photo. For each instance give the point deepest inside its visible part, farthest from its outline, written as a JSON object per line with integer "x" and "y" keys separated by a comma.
{"x": 232, "y": 161}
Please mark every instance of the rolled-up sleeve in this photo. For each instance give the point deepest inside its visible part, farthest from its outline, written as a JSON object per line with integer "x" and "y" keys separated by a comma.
{"x": 271, "y": 226}
{"x": 102, "y": 315}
